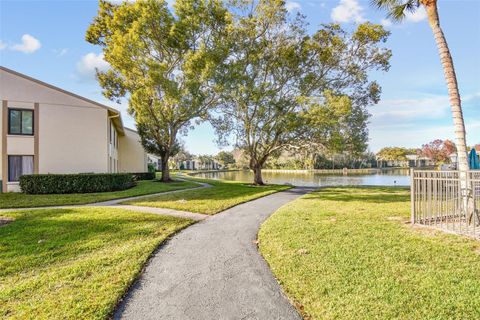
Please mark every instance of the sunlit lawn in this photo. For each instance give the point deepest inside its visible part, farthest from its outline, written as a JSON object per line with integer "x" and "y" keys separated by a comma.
{"x": 348, "y": 253}
{"x": 20, "y": 200}
{"x": 74, "y": 263}
{"x": 222, "y": 195}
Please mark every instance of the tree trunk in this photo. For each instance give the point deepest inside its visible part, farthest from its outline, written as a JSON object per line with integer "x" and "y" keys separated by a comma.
{"x": 257, "y": 175}
{"x": 455, "y": 101}
{"x": 165, "y": 169}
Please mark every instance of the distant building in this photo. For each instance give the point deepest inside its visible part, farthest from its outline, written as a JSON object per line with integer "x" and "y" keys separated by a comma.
{"x": 197, "y": 164}
{"x": 412, "y": 161}
{"x": 156, "y": 161}
{"x": 416, "y": 161}
{"x": 186, "y": 165}
{"x": 208, "y": 165}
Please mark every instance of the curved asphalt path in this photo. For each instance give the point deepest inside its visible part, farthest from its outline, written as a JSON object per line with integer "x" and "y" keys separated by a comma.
{"x": 212, "y": 270}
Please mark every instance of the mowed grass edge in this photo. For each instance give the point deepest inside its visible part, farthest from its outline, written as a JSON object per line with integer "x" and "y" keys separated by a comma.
{"x": 75, "y": 263}
{"x": 220, "y": 196}
{"x": 349, "y": 253}
{"x": 21, "y": 200}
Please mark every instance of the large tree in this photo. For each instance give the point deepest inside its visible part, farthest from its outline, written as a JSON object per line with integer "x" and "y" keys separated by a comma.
{"x": 283, "y": 88}
{"x": 225, "y": 158}
{"x": 439, "y": 151}
{"x": 395, "y": 153}
{"x": 163, "y": 61}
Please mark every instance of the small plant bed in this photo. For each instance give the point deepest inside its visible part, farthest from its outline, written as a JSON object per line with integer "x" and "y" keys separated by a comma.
{"x": 222, "y": 195}
{"x": 20, "y": 200}
{"x": 75, "y": 263}
{"x": 350, "y": 253}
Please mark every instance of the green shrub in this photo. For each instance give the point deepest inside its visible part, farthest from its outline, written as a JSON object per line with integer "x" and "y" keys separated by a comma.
{"x": 151, "y": 167}
{"x": 143, "y": 175}
{"x": 75, "y": 183}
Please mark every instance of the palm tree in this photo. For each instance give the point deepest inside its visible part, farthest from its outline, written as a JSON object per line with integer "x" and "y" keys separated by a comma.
{"x": 397, "y": 10}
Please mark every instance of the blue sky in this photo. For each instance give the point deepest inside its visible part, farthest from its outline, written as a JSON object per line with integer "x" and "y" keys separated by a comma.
{"x": 45, "y": 40}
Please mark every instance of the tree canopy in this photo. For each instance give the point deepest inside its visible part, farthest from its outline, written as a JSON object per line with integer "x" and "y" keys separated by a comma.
{"x": 225, "y": 158}
{"x": 163, "y": 61}
{"x": 395, "y": 153}
{"x": 282, "y": 88}
{"x": 438, "y": 150}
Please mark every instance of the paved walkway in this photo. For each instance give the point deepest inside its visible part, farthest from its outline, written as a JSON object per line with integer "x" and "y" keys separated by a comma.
{"x": 212, "y": 270}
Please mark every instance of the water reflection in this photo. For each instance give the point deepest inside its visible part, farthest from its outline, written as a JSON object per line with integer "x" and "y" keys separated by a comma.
{"x": 397, "y": 177}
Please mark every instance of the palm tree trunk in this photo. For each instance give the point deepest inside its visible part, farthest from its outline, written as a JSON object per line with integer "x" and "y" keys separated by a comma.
{"x": 455, "y": 101}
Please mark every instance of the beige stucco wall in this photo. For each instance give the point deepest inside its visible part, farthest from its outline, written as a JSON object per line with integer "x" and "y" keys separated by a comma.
{"x": 72, "y": 132}
{"x": 16, "y": 88}
{"x": 131, "y": 155}
{"x": 20, "y": 145}
{"x": 72, "y": 139}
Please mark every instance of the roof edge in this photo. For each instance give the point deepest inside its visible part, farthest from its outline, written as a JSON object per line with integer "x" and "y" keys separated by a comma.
{"x": 63, "y": 91}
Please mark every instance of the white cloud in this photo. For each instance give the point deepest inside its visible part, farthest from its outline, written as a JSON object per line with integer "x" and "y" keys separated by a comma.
{"x": 417, "y": 16}
{"x": 429, "y": 107}
{"x": 60, "y": 52}
{"x": 414, "y": 135}
{"x": 423, "y": 108}
{"x": 293, "y": 6}
{"x": 347, "y": 11}
{"x": 89, "y": 63}
{"x": 29, "y": 44}
{"x": 2, "y": 45}
{"x": 386, "y": 22}
{"x": 413, "y": 122}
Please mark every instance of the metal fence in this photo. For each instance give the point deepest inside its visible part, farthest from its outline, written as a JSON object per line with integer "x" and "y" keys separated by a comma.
{"x": 441, "y": 200}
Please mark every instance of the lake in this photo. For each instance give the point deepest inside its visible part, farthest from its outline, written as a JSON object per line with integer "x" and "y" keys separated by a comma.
{"x": 396, "y": 177}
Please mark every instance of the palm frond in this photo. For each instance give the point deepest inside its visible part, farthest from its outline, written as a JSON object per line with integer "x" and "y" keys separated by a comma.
{"x": 396, "y": 9}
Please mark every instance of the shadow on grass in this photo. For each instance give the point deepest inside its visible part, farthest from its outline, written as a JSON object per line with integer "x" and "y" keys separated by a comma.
{"x": 218, "y": 192}
{"x": 43, "y": 237}
{"x": 19, "y": 200}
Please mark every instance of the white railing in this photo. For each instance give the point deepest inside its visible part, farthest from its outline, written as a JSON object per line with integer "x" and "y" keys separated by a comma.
{"x": 440, "y": 200}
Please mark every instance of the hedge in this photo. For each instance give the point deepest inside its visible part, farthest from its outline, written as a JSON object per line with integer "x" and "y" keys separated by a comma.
{"x": 143, "y": 175}
{"x": 75, "y": 183}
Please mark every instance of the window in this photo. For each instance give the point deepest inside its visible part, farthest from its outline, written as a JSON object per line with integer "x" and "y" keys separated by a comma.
{"x": 18, "y": 166}
{"x": 20, "y": 121}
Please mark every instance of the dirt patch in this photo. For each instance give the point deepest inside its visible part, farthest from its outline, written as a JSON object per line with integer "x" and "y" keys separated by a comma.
{"x": 5, "y": 220}
{"x": 302, "y": 251}
{"x": 397, "y": 218}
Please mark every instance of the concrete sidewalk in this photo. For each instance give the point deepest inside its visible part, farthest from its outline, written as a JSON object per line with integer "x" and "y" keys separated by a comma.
{"x": 212, "y": 270}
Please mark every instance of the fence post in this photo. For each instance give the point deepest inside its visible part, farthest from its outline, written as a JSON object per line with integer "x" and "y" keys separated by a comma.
{"x": 412, "y": 196}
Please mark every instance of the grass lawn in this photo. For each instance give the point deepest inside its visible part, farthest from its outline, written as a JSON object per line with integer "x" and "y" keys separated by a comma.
{"x": 20, "y": 200}
{"x": 222, "y": 195}
{"x": 74, "y": 263}
{"x": 347, "y": 253}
